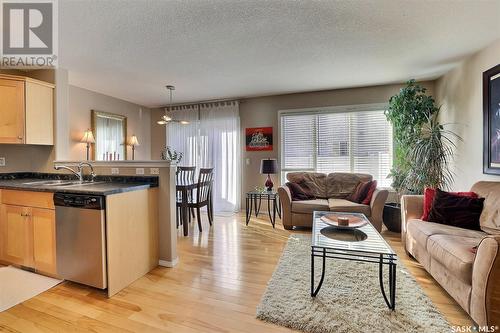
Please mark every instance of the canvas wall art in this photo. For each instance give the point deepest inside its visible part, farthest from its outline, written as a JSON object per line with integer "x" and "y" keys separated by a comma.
{"x": 259, "y": 139}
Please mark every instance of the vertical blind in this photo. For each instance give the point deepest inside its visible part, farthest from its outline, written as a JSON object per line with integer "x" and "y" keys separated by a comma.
{"x": 358, "y": 141}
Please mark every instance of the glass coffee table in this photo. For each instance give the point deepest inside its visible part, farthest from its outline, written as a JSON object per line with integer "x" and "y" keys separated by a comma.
{"x": 363, "y": 244}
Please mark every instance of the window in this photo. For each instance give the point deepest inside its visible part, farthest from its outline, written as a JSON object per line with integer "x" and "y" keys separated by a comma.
{"x": 337, "y": 141}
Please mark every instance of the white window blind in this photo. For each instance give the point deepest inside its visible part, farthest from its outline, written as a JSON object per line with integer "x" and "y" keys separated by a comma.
{"x": 356, "y": 141}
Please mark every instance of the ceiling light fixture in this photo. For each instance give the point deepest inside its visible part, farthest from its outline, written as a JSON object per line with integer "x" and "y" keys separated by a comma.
{"x": 166, "y": 118}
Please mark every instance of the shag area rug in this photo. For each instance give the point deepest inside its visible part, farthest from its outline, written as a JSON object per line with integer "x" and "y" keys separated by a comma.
{"x": 349, "y": 300}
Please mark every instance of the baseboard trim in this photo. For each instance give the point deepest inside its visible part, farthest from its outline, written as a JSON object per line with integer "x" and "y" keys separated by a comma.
{"x": 166, "y": 263}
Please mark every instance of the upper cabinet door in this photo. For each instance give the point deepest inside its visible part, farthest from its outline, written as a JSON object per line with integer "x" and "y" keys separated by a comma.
{"x": 11, "y": 111}
{"x": 39, "y": 114}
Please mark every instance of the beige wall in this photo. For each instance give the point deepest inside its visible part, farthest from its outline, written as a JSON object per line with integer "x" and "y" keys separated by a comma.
{"x": 82, "y": 101}
{"x": 460, "y": 93}
{"x": 158, "y": 134}
{"x": 263, "y": 111}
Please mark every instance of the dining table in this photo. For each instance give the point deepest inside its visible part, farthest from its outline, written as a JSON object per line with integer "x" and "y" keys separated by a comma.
{"x": 185, "y": 188}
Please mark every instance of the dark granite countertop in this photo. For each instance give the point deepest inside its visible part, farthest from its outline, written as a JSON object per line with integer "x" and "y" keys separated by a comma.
{"x": 103, "y": 185}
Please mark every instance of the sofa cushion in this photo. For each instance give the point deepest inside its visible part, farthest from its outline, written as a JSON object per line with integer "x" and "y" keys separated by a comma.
{"x": 343, "y": 205}
{"x": 454, "y": 253}
{"x": 339, "y": 185}
{"x": 308, "y": 206}
{"x": 422, "y": 230}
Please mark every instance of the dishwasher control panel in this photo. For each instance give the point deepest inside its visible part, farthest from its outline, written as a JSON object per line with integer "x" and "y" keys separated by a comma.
{"x": 79, "y": 200}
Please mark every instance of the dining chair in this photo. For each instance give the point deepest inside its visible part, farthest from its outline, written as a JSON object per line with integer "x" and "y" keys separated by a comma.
{"x": 184, "y": 175}
{"x": 203, "y": 196}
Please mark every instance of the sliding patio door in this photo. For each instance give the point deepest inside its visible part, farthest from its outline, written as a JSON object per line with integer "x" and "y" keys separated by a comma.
{"x": 212, "y": 140}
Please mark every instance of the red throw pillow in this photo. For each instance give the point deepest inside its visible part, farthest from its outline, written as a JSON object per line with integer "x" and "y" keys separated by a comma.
{"x": 429, "y": 194}
{"x": 360, "y": 192}
{"x": 369, "y": 195}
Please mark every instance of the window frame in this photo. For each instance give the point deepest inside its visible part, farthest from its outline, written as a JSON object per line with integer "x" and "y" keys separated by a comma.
{"x": 319, "y": 111}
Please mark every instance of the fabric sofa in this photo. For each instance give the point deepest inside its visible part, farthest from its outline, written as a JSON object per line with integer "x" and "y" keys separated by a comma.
{"x": 331, "y": 192}
{"x": 447, "y": 253}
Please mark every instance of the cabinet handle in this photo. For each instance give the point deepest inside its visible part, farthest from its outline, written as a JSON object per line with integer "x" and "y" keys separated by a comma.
{"x": 20, "y": 137}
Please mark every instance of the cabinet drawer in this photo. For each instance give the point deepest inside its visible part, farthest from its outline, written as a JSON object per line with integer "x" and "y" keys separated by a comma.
{"x": 30, "y": 199}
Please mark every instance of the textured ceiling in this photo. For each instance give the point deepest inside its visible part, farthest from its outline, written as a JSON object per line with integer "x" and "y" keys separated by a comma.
{"x": 226, "y": 49}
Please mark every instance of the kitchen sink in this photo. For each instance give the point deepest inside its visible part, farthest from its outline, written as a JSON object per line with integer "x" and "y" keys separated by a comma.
{"x": 61, "y": 183}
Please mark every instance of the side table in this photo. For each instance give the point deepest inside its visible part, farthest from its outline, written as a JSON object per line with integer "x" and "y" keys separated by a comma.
{"x": 254, "y": 201}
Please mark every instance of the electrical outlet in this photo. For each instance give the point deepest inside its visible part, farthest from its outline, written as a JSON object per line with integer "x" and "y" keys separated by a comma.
{"x": 115, "y": 171}
{"x": 2, "y": 161}
{"x": 154, "y": 171}
{"x": 139, "y": 171}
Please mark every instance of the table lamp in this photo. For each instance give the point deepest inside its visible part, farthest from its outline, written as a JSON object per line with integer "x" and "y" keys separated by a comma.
{"x": 269, "y": 166}
{"x": 134, "y": 143}
{"x": 88, "y": 138}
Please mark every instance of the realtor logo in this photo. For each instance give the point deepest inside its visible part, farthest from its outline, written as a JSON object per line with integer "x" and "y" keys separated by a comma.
{"x": 28, "y": 33}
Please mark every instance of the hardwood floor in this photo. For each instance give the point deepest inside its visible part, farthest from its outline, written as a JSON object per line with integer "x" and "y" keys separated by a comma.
{"x": 216, "y": 287}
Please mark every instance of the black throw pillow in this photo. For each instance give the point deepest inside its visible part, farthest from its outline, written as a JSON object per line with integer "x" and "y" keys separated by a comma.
{"x": 300, "y": 192}
{"x": 457, "y": 211}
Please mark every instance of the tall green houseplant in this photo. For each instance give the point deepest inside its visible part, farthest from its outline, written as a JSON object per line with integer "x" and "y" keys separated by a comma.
{"x": 408, "y": 111}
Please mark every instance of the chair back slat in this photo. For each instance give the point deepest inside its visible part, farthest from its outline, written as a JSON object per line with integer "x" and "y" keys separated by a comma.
{"x": 205, "y": 183}
{"x": 185, "y": 174}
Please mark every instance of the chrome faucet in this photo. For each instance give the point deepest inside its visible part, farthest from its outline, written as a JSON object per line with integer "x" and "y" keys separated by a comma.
{"x": 79, "y": 170}
{"x": 92, "y": 173}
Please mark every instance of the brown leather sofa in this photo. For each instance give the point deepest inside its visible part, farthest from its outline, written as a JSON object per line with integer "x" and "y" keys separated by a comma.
{"x": 331, "y": 192}
{"x": 472, "y": 279}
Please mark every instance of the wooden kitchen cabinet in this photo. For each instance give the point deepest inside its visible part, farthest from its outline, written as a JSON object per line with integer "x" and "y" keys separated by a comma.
{"x": 26, "y": 111}
{"x": 11, "y": 111}
{"x": 16, "y": 230}
{"x": 28, "y": 230}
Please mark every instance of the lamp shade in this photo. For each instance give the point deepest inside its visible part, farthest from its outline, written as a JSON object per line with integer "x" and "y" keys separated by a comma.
{"x": 88, "y": 137}
{"x": 133, "y": 141}
{"x": 269, "y": 166}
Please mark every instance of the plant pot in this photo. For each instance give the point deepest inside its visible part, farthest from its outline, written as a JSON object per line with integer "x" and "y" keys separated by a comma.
{"x": 392, "y": 217}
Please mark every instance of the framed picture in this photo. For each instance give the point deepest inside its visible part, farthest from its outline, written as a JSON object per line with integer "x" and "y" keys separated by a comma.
{"x": 259, "y": 138}
{"x": 491, "y": 118}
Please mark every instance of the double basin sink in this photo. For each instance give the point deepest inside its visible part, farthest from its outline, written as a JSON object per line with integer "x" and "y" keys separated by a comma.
{"x": 62, "y": 183}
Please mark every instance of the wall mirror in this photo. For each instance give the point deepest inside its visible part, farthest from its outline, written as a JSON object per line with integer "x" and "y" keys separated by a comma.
{"x": 110, "y": 132}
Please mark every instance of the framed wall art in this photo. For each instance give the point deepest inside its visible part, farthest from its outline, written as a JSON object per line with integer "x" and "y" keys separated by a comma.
{"x": 259, "y": 139}
{"x": 491, "y": 119}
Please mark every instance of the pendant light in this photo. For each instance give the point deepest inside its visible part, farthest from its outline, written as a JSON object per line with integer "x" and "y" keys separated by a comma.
{"x": 166, "y": 118}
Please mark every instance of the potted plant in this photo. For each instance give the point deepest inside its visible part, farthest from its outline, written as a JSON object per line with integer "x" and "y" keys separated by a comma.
{"x": 170, "y": 154}
{"x": 422, "y": 147}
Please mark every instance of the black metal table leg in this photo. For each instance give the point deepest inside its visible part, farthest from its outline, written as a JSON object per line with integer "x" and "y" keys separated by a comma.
{"x": 392, "y": 267}
{"x": 314, "y": 292}
{"x": 248, "y": 209}
{"x": 273, "y": 221}
{"x": 257, "y": 212}
{"x": 391, "y": 301}
{"x": 269, "y": 209}
{"x": 279, "y": 205}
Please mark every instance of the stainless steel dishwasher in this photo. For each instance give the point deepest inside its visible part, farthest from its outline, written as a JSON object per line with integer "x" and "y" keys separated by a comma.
{"x": 81, "y": 238}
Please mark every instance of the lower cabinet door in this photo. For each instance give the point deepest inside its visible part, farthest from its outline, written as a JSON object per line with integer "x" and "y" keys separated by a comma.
{"x": 16, "y": 234}
{"x": 44, "y": 240}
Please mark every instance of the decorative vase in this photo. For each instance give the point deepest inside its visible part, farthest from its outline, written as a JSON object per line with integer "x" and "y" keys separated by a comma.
{"x": 392, "y": 217}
